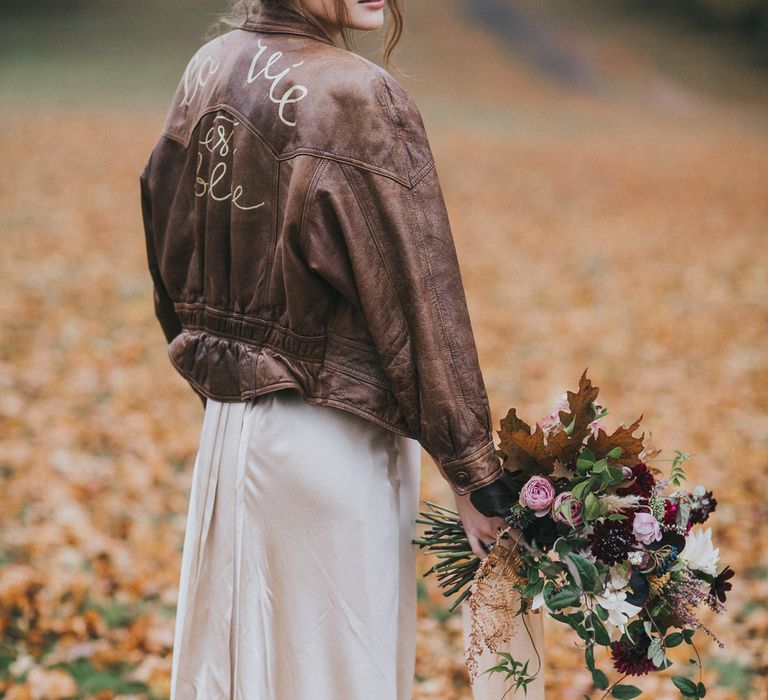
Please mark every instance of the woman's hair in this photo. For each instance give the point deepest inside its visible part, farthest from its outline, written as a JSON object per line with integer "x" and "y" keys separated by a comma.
{"x": 245, "y": 9}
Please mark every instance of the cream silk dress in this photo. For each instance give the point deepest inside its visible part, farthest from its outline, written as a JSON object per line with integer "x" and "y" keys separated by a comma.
{"x": 298, "y": 575}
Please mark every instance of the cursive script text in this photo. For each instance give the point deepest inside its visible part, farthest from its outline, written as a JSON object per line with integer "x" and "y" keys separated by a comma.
{"x": 218, "y": 141}
{"x": 293, "y": 94}
{"x": 196, "y": 75}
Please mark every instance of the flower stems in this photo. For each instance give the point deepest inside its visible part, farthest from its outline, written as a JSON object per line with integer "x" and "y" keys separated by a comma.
{"x": 445, "y": 539}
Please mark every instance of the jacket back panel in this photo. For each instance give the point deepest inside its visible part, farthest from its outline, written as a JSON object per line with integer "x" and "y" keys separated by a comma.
{"x": 297, "y": 237}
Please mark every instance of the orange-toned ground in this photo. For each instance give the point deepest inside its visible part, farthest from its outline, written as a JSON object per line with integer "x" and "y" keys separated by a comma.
{"x": 622, "y": 226}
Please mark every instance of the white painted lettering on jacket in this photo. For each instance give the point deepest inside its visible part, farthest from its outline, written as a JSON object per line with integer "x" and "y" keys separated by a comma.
{"x": 196, "y": 75}
{"x": 218, "y": 141}
{"x": 291, "y": 95}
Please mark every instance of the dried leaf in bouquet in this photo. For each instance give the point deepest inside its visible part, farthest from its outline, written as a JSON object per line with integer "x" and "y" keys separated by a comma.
{"x": 565, "y": 445}
{"x": 580, "y": 413}
{"x": 649, "y": 453}
{"x": 493, "y": 602}
{"x": 631, "y": 447}
{"x": 540, "y": 452}
{"x": 521, "y": 449}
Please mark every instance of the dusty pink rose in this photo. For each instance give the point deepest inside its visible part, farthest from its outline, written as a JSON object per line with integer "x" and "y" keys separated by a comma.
{"x": 646, "y": 528}
{"x": 575, "y": 504}
{"x": 537, "y": 494}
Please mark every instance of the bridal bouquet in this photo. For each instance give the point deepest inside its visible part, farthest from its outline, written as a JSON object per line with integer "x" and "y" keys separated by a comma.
{"x": 609, "y": 547}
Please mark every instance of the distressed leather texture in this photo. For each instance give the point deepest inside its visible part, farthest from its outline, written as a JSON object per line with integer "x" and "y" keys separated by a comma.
{"x": 297, "y": 237}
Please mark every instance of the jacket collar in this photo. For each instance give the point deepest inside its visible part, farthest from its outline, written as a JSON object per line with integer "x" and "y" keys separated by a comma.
{"x": 282, "y": 19}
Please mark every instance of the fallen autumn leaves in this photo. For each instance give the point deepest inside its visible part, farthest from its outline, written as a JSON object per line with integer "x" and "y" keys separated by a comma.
{"x": 642, "y": 256}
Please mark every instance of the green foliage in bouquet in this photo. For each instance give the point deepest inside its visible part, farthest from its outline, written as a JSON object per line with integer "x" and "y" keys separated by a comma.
{"x": 607, "y": 548}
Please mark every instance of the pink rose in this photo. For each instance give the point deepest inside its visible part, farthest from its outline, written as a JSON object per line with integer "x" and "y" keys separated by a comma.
{"x": 575, "y": 507}
{"x": 646, "y": 528}
{"x": 537, "y": 494}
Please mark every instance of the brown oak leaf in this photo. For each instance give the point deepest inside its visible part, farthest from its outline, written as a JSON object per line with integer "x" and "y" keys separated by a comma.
{"x": 581, "y": 413}
{"x": 521, "y": 449}
{"x": 631, "y": 447}
{"x": 564, "y": 446}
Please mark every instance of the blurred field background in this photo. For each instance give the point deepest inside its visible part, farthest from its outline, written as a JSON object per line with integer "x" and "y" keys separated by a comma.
{"x": 605, "y": 166}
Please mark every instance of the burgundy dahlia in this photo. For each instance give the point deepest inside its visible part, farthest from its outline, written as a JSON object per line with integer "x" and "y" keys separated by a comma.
{"x": 642, "y": 482}
{"x": 632, "y": 658}
{"x": 611, "y": 540}
{"x": 701, "y": 512}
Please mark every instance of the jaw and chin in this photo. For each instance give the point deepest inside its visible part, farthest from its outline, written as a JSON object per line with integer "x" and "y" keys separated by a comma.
{"x": 361, "y": 14}
{"x": 365, "y": 14}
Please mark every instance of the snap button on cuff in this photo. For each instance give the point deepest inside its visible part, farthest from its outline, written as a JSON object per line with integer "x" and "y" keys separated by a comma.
{"x": 461, "y": 478}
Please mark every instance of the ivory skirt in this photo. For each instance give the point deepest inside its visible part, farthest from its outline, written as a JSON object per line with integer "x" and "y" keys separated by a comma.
{"x": 298, "y": 576}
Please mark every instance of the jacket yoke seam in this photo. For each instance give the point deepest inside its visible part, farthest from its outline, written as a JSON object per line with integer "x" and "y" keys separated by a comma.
{"x": 266, "y": 27}
{"x": 185, "y": 140}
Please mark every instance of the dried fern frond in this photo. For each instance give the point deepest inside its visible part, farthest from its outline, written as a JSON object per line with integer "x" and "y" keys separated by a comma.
{"x": 494, "y": 602}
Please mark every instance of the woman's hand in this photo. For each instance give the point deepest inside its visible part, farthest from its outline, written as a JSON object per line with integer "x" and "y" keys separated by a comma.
{"x": 480, "y": 530}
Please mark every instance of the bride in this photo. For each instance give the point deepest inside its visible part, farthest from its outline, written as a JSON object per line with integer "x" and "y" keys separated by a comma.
{"x": 306, "y": 280}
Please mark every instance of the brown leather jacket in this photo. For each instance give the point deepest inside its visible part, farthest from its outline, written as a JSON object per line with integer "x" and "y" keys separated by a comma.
{"x": 297, "y": 237}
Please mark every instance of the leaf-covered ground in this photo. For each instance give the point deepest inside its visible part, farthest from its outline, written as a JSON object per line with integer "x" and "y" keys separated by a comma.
{"x": 620, "y": 226}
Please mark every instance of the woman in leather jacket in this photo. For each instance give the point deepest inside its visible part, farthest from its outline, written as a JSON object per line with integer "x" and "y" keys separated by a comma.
{"x": 306, "y": 281}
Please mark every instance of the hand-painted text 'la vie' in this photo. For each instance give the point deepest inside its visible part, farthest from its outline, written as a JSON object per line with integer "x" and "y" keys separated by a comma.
{"x": 202, "y": 68}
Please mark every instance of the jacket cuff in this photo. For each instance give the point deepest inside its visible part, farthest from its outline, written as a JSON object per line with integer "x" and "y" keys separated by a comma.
{"x": 473, "y": 471}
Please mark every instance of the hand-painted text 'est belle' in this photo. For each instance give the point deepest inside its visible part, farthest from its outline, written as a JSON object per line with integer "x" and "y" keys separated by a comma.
{"x": 218, "y": 141}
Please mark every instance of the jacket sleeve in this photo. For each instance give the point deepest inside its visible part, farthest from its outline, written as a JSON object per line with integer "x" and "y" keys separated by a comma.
{"x": 399, "y": 245}
{"x": 164, "y": 311}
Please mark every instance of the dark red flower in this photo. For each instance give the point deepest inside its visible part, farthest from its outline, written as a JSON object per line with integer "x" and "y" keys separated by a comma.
{"x": 611, "y": 539}
{"x": 632, "y": 657}
{"x": 670, "y": 516}
{"x": 670, "y": 512}
{"x": 706, "y": 506}
{"x": 721, "y": 584}
{"x": 642, "y": 482}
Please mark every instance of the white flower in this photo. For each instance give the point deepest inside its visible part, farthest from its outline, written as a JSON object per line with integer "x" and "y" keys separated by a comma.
{"x": 699, "y": 553}
{"x": 619, "y": 610}
{"x": 614, "y": 600}
{"x": 538, "y": 601}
